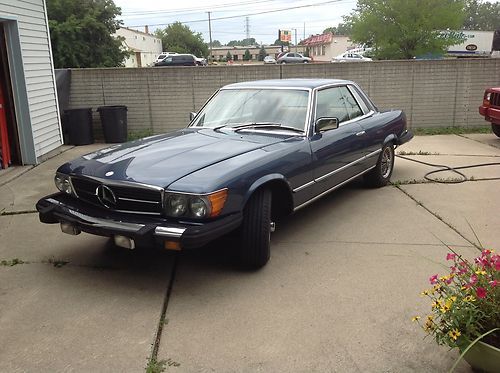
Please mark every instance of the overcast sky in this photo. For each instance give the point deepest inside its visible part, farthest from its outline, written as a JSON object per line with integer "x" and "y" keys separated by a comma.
{"x": 264, "y": 27}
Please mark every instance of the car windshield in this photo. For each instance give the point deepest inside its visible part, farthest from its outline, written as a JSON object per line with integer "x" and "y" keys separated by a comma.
{"x": 234, "y": 107}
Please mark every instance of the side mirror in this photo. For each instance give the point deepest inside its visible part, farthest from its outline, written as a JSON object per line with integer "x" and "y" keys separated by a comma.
{"x": 191, "y": 116}
{"x": 326, "y": 123}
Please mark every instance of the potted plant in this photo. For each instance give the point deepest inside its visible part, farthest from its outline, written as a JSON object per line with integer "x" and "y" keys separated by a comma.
{"x": 465, "y": 309}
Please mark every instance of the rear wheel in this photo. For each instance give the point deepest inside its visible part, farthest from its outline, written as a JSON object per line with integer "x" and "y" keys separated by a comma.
{"x": 255, "y": 241}
{"x": 381, "y": 174}
{"x": 496, "y": 129}
{"x": 283, "y": 62}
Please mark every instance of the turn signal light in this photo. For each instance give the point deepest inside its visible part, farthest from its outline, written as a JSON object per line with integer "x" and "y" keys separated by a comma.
{"x": 172, "y": 245}
{"x": 217, "y": 200}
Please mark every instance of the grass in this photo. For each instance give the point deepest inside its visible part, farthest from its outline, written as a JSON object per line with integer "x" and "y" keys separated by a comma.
{"x": 139, "y": 134}
{"x": 450, "y": 130}
{"x": 155, "y": 366}
{"x": 55, "y": 262}
{"x": 420, "y": 152}
{"x": 12, "y": 262}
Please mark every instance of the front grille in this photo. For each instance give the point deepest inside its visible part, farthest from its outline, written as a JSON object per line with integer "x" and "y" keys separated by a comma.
{"x": 495, "y": 99}
{"x": 136, "y": 199}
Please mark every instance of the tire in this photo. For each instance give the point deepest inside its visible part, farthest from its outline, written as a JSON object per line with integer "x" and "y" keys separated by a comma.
{"x": 255, "y": 239}
{"x": 283, "y": 62}
{"x": 306, "y": 61}
{"x": 381, "y": 174}
{"x": 496, "y": 129}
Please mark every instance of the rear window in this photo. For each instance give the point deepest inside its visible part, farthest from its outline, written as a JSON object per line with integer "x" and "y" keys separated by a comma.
{"x": 162, "y": 56}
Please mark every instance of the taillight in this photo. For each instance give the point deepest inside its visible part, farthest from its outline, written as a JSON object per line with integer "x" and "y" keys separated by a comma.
{"x": 486, "y": 99}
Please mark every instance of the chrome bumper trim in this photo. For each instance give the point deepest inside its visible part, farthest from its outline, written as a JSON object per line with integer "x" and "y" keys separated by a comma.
{"x": 169, "y": 232}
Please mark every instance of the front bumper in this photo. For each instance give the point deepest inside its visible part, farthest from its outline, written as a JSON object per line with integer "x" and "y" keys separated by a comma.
{"x": 146, "y": 230}
{"x": 491, "y": 114}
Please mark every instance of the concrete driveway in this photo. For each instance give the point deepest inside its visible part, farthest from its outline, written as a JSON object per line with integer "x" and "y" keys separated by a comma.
{"x": 338, "y": 294}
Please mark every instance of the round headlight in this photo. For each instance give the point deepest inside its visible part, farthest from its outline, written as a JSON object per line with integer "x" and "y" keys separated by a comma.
{"x": 63, "y": 184}
{"x": 198, "y": 207}
{"x": 176, "y": 205}
{"x": 59, "y": 180}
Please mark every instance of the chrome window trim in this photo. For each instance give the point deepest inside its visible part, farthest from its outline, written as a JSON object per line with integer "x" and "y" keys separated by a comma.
{"x": 325, "y": 176}
{"x": 331, "y": 189}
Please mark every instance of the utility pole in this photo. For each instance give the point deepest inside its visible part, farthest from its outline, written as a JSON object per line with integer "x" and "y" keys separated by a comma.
{"x": 247, "y": 27}
{"x": 295, "y": 39}
{"x": 210, "y": 37}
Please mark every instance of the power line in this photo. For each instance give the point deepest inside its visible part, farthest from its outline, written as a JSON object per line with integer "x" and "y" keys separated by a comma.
{"x": 194, "y": 9}
{"x": 252, "y": 14}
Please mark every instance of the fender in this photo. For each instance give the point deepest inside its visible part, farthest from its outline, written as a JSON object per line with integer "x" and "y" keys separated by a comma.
{"x": 263, "y": 180}
{"x": 390, "y": 138}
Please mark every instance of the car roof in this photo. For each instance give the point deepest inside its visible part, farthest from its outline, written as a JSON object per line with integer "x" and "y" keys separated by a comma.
{"x": 288, "y": 83}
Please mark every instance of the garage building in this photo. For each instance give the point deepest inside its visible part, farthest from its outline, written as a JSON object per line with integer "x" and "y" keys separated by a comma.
{"x": 29, "y": 114}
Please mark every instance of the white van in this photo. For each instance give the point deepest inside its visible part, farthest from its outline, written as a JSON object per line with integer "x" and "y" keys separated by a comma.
{"x": 164, "y": 55}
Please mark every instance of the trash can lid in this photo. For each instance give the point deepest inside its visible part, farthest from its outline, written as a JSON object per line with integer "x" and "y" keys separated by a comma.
{"x": 112, "y": 107}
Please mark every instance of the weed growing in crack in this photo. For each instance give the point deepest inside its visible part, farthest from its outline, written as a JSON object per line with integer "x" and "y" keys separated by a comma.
{"x": 155, "y": 366}
{"x": 12, "y": 262}
{"x": 55, "y": 262}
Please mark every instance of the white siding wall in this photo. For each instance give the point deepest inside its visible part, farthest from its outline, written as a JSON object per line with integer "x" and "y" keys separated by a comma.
{"x": 148, "y": 45}
{"x": 38, "y": 70}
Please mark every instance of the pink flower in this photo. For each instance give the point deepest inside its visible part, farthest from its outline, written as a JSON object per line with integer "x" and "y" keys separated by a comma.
{"x": 473, "y": 279}
{"x": 481, "y": 293}
{"x": 493, "y": 283}
{"x": 485, "y": 252}
{"x": 450, "y": 256}
{"x": 497, "y": 262}
{"x": 453, "y": 269}
{"x": 433, "y": 279}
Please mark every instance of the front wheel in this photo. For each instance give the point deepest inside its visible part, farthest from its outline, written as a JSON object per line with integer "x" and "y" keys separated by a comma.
{"x": 496, "y": 129}
{"x": 255, "y": 241}
{"x": 381, "y": 174}
{"x": 283, "y": 62}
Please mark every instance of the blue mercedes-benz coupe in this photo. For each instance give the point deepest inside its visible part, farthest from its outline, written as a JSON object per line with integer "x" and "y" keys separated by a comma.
{"x": 255, "y": 152}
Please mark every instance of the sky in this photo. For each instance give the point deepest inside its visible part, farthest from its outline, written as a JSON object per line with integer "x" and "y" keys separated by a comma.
{"x": 307, "y": 17}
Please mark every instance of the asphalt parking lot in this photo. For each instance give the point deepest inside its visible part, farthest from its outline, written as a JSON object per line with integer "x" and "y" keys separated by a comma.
{"x": 338, "y": 294}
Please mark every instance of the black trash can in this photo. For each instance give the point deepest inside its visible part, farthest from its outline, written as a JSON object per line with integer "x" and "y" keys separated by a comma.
{"x": 77, "y": 124}
{"x": 114, "y": 122}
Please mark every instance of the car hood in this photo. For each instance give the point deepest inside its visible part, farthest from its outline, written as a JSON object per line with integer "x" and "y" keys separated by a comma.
{"x": 161, "y": 160}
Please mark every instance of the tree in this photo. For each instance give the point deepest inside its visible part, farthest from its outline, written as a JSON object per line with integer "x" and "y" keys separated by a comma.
{"x": 341, "y": 29}
{"x": 262, "y": 53}
{"x": 81, "y": 33}
{"x": 216, "y": 43}
{"x": 282, "y": 43}
{"x": 242, "y": 43}
{"x": 400, "y": 29}
{"x": 179, "y": 38}
{"x": 482, "y": 16}
{"x": 247, "y": 56}
{"x": 229, "y": 56}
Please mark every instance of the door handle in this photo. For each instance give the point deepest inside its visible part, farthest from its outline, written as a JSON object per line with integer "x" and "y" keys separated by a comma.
{"x": 360, "y": 133}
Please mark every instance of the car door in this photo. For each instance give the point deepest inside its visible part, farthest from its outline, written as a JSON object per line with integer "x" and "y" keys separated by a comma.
{"x": 338, "y": 152}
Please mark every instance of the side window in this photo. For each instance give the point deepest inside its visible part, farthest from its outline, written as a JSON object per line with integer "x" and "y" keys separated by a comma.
{"x": 359, "y": 99}
{"x": 330, "y": 103}
{"x": 352, "y": 106}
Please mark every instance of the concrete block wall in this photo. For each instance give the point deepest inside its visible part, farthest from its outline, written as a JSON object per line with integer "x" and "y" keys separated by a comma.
{"x": 432, "y": 93}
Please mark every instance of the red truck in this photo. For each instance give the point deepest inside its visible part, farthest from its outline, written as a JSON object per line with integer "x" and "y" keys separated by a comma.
{"x": 490, "y": 109}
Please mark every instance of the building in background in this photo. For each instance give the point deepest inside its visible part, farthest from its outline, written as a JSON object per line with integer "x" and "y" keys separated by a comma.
{"x": 29, "y": 116}
{"x": 143, "y": 47}
{"x": 322, "y": 48}
{"x": 237, "y": 52}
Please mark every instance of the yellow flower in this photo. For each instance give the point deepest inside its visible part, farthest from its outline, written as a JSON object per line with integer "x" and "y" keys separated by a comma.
{"x": 454, "y": 334}
{"x": 481, "y": 273}
{"x": 445, "y": 308}
{"x": 453, "y": 298}
{"x": 443, "y": 278}
{"x": 415, "y": 318}
{"x": 469, "y": 298}
{"x": 425, "y": 292}
{"x": 437, "y": 287}
{"x": 430, "y": 318}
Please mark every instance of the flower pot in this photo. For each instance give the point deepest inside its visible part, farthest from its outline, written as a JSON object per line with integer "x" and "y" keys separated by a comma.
{"x": 483, "y": 357}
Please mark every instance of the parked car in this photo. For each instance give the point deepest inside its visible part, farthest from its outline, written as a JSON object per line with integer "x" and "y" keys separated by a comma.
{"x": 292, "y": 57}
{"x": 350, "y": 57}
{"x": 255, "y": 152}
{"x": 164, "y": 55}
{"x": 178, "y": 60}
{"x": 269, "y": 60}
{"x": 490, "y": 109}
{"x": 200, "y": 61}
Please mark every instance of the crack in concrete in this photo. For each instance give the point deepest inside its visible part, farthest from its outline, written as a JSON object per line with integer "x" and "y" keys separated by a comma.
{"x": 419, "y": 203}
{"x": 365, "y": 243}
{"x": 54, "y": 262}
{"x": 20, "y": 212}
{"x": 162, "y": 322}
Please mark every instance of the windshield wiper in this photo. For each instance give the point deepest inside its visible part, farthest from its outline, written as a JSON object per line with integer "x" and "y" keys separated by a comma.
{"x": 270, "y": 125}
